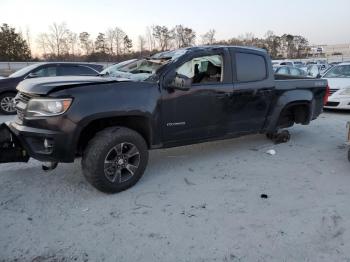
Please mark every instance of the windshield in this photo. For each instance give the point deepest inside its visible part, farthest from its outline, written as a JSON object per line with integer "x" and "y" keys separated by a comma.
{"x": 24, "y": 71}
{"x": 341, "y": 71}
{"x": 142, "y": 69}
{"x": 111, "y": 70}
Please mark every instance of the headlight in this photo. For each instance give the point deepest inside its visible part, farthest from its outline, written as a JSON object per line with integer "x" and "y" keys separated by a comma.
{"x": 47, "y": 107}
{"x": 345, "y": 92}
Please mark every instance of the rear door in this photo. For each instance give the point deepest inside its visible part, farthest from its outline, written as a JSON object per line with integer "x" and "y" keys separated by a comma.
{"x": 253, "y": 91}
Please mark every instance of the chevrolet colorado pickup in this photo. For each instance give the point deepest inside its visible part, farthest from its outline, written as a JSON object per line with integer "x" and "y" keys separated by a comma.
{"x": 170, "y": 99}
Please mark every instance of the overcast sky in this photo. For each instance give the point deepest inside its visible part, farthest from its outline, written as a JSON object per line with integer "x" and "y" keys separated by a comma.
{"x": 321, "y": 21}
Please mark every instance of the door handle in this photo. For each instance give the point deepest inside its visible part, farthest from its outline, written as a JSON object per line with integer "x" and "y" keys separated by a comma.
{"x": 223, "y": 95}
{"x": 266, "y": 90}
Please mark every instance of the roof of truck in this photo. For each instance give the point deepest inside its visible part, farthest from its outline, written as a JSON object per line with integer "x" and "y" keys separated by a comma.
{"x": 205, "y": 47}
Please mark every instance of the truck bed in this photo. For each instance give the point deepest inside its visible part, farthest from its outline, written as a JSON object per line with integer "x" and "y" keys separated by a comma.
{"x": 292, "y": 82}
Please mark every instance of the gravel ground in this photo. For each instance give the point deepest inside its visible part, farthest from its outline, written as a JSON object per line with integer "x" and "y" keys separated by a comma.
{"x": 194, "y": 203}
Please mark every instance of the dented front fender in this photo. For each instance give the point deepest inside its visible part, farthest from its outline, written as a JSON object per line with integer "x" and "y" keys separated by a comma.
{"x": 11, "y": 149}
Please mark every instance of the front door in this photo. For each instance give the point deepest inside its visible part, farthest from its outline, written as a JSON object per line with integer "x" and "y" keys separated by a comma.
{"x": 194, "y": 114}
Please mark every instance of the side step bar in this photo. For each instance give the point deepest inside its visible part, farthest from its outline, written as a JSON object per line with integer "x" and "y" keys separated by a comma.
{"x": 11, "y": 149}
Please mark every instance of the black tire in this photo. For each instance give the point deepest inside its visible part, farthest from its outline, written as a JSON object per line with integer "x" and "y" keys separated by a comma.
{"x": 99, "y": 149}
{"x": 5, "y": 109}
{"x": 349, "y": 154}
{"x": 282, "y": 137}
{"x": 270, "y": 135}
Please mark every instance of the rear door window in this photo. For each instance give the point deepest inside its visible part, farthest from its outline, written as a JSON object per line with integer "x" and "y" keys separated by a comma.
{"x": 250, "y": 67}
{"x": 75, "y": 70}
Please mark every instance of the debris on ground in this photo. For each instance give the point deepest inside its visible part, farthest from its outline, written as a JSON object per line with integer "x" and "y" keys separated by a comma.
{"x": 189, "y": 183}
{"x": 271, "y": 152}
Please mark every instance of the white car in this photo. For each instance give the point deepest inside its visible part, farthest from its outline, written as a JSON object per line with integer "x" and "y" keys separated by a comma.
{"x": 339, "y": 85}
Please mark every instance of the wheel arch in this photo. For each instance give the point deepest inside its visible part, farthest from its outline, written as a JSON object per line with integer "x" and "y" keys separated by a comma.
{"x": 140, "y": 124}
{"x": 296, "y": 106}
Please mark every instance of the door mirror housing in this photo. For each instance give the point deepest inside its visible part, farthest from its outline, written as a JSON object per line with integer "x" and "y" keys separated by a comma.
{"x": 180, "y": 82}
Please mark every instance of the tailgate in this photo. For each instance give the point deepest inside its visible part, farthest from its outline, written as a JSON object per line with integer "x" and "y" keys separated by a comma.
{"x": 11, "y": 149}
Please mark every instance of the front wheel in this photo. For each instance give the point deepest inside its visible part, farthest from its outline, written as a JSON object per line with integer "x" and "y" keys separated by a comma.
{"x": 115, "y": 159}
{"x": 7, "y": 105}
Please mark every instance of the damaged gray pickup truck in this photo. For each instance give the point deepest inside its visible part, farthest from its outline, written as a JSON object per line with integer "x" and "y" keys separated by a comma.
{"x": 173, "y": 98}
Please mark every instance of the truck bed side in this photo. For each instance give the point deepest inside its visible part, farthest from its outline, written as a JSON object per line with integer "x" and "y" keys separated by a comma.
{"x": 298, "y": 100}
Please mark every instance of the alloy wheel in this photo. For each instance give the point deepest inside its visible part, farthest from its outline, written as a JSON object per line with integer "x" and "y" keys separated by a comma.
{"x": 121, "y": 162}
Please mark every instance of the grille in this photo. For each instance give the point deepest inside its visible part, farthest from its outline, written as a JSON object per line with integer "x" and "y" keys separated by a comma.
{"x": 332, "y": 104}
{"x": 332, "y": 91}
{"x": 24, "y": 98}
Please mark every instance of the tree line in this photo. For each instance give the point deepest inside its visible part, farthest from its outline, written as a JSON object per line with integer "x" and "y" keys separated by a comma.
{"x": 60, "y": 43}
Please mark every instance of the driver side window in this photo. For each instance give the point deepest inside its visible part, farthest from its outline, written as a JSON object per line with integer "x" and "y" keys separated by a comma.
{"x": 204, "y": 69}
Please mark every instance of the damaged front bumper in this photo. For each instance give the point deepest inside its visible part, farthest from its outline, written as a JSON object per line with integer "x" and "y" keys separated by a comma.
{"x": 11, "y": 149}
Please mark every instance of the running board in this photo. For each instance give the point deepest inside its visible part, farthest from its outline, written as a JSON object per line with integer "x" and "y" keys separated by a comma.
{"x": 11, "y": 149}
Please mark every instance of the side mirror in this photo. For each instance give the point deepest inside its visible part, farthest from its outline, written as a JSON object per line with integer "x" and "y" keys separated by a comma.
{"x": 181, "y": 82}
{"x": 32, "y": 75}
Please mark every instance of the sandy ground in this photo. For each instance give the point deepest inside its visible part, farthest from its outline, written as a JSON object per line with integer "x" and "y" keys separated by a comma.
{"x": 194, "y": 203}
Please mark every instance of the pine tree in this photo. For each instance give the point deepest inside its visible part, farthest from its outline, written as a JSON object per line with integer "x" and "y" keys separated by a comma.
{"x": 12, "y": 45}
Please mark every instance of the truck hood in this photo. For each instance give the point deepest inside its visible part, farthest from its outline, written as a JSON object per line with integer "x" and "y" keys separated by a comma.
{"x": 46, "y": 85}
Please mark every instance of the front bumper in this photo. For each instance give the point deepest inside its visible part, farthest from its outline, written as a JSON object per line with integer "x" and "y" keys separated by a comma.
{"x": 338, "y": 103}
{"x": 41, "y": 144}
{"x": 11, "y": 149}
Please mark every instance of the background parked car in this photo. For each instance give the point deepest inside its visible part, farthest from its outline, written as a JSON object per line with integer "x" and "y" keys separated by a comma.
{"x": 290, "y": 70}
{"x": 339, "y": 84}
{"x": 312, "y": 70}
{"x": 8, "y": 84}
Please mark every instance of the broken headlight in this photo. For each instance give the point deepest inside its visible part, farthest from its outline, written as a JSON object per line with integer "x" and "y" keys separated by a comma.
{"x": 47, "y": 107}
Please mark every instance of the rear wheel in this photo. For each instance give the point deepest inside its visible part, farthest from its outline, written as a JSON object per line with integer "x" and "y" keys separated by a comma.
{"x": 115, "y": 159}
{"x": 278, "y": 138}
{"x": 7, "y": 105}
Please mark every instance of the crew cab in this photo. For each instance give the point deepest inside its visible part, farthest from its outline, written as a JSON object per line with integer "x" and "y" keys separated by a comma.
{"x": 173, "y": 98}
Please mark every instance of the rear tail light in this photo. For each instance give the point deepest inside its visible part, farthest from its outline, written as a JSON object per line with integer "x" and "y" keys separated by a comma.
{"x": 325, "y": 98}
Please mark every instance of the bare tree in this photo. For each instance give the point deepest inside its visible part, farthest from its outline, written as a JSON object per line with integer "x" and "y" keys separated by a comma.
{"x": 110, "y": 35}
{"x": 184, "y": 36}
{"x": 73, "y": 43}
{"x": 28, "y": 39}
{"x": 164, "y": 36}
{"x": 42, "y": 43}
{"x": 57, "y": 38}
{"x": 150, "y": 39}
{"x": 119, "y": 40}
{"x": 141, "y": 43}
{"x": 209, "y": 37}
{"x": 115, "y": 41}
